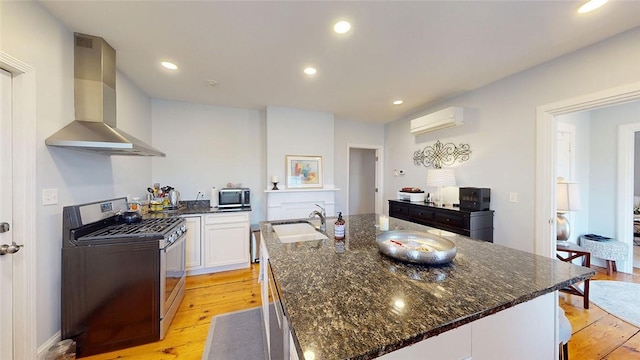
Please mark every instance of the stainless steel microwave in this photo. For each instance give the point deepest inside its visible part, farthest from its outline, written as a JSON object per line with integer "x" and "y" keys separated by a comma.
{"x": 234, "y": 197}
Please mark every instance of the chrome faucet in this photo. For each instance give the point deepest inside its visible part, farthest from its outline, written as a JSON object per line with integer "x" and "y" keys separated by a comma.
{"x": 322, "y": 215}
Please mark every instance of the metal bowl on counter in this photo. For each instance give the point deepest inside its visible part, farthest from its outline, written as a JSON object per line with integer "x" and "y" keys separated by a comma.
{"x": 416, "y": 247}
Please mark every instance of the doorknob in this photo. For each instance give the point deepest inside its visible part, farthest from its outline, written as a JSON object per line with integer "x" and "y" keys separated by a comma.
{"x": 10, "y": 249}
{"x": 4, "y": 227}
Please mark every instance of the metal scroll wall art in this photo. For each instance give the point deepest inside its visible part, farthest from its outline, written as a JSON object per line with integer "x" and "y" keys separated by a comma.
{"x": 441, "y": 154}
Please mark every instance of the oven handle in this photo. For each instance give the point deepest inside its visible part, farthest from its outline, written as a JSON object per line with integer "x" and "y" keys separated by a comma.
{"x": 178, "y": 241}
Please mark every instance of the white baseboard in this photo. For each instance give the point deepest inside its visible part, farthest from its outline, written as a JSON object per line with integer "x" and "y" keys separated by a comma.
{"x": 42, "y": 349}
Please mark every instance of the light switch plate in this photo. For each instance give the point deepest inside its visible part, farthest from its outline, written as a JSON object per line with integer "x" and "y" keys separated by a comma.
{"x": 49, "y": 196}
{"x": 513, "y": 197}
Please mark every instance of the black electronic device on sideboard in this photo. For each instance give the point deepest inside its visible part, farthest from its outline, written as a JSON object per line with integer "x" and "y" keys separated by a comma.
{"x": 474, "y": 198}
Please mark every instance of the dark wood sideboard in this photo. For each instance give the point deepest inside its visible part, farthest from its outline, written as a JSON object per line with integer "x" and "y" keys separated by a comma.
{"x": 476, "y": 224}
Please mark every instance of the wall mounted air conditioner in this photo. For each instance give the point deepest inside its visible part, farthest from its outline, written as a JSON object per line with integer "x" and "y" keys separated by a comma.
{"x": 446, "y": 118}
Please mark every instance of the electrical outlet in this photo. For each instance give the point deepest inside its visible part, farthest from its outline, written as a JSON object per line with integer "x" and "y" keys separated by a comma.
{"x": 49, "y": 196}
{"x": 513, "y": 197}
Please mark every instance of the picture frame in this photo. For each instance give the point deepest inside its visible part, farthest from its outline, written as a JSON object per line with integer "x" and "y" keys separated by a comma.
{"x": 303, "y": 172}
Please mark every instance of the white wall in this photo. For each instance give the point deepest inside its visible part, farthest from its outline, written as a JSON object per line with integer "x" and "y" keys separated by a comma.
{"x": 210, "y": 146}
{"x": 604, "y": 165}
{"x": 298, "y": 132}
{"x": 500, "y": 128}
{"x": 30, "y": 34}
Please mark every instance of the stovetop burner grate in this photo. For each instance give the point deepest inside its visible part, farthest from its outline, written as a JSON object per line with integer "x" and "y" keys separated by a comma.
{"x": 146, "y": 228}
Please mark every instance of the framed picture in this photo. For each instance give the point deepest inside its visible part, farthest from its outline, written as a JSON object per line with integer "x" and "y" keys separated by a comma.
{"x": 303, "y": 172}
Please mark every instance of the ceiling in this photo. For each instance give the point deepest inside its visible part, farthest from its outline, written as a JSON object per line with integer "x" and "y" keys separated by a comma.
{"x": 420, "y": 51}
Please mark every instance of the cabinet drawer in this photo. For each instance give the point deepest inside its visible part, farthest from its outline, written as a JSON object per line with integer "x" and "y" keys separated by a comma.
{"x": 398, "y": 210}
{"x": 451, "y": 219}
{"x": 421, "y": 214}
{"x": 225, "y": 218}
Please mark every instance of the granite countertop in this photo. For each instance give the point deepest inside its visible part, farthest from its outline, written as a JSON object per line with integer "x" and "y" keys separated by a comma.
{"x": 193, "y": 207}
{"x": 345, "y": 300}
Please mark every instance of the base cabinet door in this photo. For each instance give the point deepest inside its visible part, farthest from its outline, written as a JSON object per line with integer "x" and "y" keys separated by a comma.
{"x": 452, "y": 345}
{"x": 523, "y": 332}
{"x": 226, "y": 244}
{"x": 194, "y": 242}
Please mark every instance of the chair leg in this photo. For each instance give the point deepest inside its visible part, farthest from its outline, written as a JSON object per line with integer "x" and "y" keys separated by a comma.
{"x": 565, "y": 351}
{"x": 560, "y": 351}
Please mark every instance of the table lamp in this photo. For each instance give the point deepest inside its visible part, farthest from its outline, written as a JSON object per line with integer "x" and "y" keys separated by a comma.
{"x": 567, "y": 199}
{"x": 439, "y": 178}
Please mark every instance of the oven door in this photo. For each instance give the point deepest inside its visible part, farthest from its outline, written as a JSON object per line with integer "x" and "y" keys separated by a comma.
{"x": 172, "y": 281}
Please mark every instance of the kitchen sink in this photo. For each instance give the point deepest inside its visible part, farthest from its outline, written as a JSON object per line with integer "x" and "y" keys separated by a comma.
{"x": 296, "y": 232}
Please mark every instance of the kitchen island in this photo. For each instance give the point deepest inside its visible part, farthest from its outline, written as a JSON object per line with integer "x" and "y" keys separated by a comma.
{"x": 345, "y": 300}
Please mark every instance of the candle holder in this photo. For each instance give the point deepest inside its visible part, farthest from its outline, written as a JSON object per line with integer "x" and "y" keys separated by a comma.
{"x": 275, "y": 186}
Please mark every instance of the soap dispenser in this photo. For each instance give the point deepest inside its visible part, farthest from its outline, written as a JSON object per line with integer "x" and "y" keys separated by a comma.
{"x": 339, "y": 228}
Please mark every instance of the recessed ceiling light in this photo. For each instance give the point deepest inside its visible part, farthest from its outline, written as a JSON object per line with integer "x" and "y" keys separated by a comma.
{"x": 591, "y": 5}
{"x": 341, "y": 27}
{"x": 310, "y": 71}
{"x": 397, "y": 102}
{"x": 169, "y": 65}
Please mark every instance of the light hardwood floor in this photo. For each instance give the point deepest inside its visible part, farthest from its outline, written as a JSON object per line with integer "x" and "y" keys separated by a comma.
{"x": 206, "y": 296}
{"x": 596, "y": 334}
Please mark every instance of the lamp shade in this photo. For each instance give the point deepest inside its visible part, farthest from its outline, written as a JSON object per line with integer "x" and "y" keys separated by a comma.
{"x": 567, "y": 196}
{"x": 441, "y": 177}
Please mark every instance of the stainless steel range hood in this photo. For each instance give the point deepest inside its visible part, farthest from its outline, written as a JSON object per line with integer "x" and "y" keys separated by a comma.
{"x": 95, "y": 128}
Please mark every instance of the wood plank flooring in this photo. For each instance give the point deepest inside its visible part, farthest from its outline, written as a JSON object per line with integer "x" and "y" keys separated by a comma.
{"x": 205, "y": 296}
{"x": 596, "y": 334}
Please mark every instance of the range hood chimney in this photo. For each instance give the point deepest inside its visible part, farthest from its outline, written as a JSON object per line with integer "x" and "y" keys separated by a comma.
{"x": 95, "y": 128}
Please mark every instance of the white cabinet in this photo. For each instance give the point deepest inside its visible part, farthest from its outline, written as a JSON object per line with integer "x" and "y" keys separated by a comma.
{"x": 521, "y": 332}
{"x": 226, "y": 241}
{"x": 453, "y": 344}
{"x": 194, "y": 242}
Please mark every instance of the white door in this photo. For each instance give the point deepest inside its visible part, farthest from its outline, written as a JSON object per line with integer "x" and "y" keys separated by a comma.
{"x": 6, "y": 204}
{"x": 566, "y": 162}
{"x": 566, "y": 159}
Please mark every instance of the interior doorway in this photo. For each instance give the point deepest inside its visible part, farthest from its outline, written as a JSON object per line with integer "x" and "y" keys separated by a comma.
{"x": 546, "y": 148}
{"x": 364, "y": 179}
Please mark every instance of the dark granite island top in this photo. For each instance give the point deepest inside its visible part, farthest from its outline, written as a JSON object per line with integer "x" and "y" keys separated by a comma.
{"x": 345, "y": 300}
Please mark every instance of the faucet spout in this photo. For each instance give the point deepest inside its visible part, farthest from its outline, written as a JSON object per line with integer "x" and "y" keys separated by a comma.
{"x": 322, "y": 215}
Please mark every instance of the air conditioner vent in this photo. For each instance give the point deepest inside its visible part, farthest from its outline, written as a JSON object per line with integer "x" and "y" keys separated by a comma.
{"x": 446, "y": 118}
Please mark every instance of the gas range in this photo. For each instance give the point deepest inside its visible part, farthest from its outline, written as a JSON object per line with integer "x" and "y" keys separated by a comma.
{"x": 122, "y": 284}
{"x": 99, "y": 223}
{"x": 167, "y": 230}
